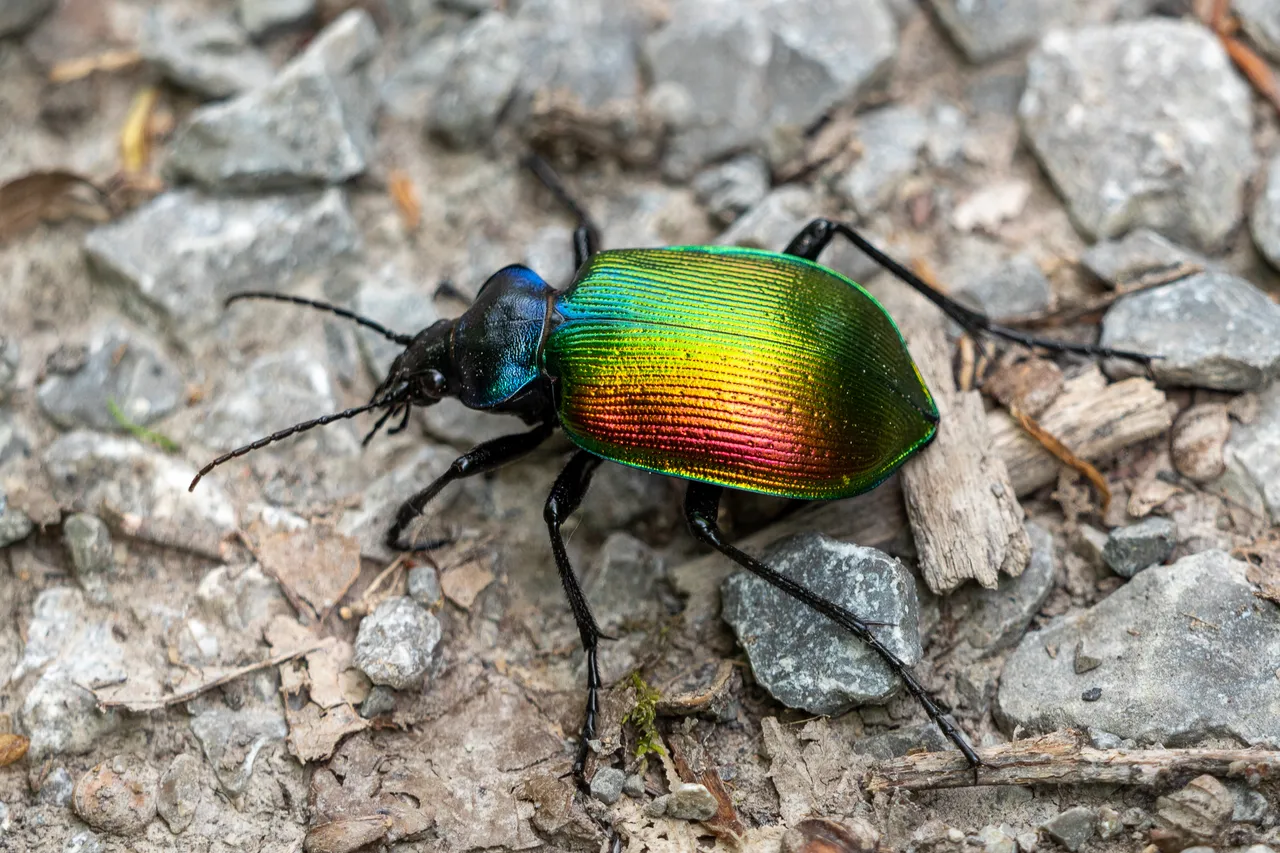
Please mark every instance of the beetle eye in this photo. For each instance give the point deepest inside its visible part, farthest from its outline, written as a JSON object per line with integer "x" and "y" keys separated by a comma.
{"x": 434, "y": 382}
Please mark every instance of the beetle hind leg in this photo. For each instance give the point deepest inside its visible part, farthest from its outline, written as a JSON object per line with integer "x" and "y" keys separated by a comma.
{"x": 701, "y": 505}
{"x": 565, "y": 497}
{"x": 586, "y": 236}
{"x": 819, "y": 233}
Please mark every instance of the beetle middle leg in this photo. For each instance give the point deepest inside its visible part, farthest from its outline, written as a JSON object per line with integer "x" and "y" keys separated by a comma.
{"x": 819, "y": 233}
{"x": 484, "y": 457}
{"x": 701, "y": 506}
{"x": 565, "y": 497}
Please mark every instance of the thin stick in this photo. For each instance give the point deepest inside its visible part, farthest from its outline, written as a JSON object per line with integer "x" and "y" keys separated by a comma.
{"x": 1051, "y": 443}
{"x": 1064, "y": 758}
{"x": 155, "y": 704}
{"x": 1076, "y": 313}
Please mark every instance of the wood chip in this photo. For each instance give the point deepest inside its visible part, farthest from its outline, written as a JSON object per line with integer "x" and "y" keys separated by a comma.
{"x": 1030, "y": 384}
{"x": 135, "y": 136}
{"x": 49, "y": 196}
{"x": 314, "y": 566}
{"x": 12, "y": 748}
{"x": 108, "y": 61}
{"x": 1063, "y": 454}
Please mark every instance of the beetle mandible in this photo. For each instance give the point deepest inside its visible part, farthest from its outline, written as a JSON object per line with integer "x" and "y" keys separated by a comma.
{"x": 726, "y": 367}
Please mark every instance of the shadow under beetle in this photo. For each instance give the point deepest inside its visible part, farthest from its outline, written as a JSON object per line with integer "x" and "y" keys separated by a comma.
{"x": 726, "y": 367}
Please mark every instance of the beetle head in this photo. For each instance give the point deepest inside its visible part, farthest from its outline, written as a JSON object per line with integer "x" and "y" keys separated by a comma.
{"x": 419, "y": 376}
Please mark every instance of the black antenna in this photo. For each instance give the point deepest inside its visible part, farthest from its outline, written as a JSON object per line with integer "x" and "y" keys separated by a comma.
{"x": 403, "y": 340}
{"x": 285, "y": 433}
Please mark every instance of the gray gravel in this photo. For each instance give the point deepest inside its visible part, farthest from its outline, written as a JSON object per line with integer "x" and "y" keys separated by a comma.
{"x": 1071, "y": 828}
{"x": 890, "y": 140}
{"x": 312, "y": 124}
{"x": 1131, "y": 549}
{"x": 691, "y": 802}
{"x": 180, "y": 791}
{"x": 1161, "y": 668}
{"x": 263, "y": 17}
{"x": 424, "y": 585}
{"x": 1214, "y": 330}
{"x": 1142, "y": 124}
{"x": 395, "y": 643}
{"x": 1264, "y": 222}
{"x": 730, "y": 189}
{"x": 800, "y": 657}
{"x": 89, "y": 542}
{"x": 15, "y": 525}
{"x": 1142, "y": 250}
{"x": 1252, "y": 457}
{"x": 986, "y": 30}
{"x": 209, "y": 56}
{"x": 997, "y": 617}
{"x": 606, "y": 785}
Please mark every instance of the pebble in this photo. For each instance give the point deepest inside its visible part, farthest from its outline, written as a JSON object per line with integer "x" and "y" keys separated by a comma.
{"x": 100, "y": 474}
{"x": 178, "y": 258}
{"x": 89, "y": 542}
{"x": 180, "y": 792}
{"x": 896, "y": 743}
{"x": 264, "y": 17}
{"x": 1131, "y": 549}
{"x": 733, "y": 187}
{"x": 1261, "y": 21}
{"x": 1250, "y": 806}
{"x": 311, "y": 124}
{"x": 209, "y": 56}
{"x": 1141, "y": 251}
{"x": 14, "y": 443}
{"x": 1162, "y": 638}
{"x": 1185, "y": 156}
{"x": 57, "y": 787}
{"x": 381, "y": 700}
{"x": 120, "y": 370}
{"x": 1214, "y": 330}
{"x": 756, "y": 75}
{"x": 986, "y": 31}
{"x": 1010, "y": 287}
{"x": 1252, "y": 456}
{"x": 232, "y": 739}
{"x": 691, "y": 801}
{"x": 424, "y": 585}
{"x": 657, "y": 807}
{"x": 606, "y": 785}
{"x": 800, "y": 657}
{"x": 395, "y": 642}
{"x": 998, "y": 617}
{"x": 1109, "y": 823}
{"x": 10, "y": 357}
{"x": 14, "y": 524}
{"x": 117, "y": 796}
{"x": 1099, "y": 739}
{"x": 998, "y": 839}
{"x": 1198, "y": 812}
{"x": 17, "y": 16}
{"x": 1264, "y": 221}
{"x": 243, "y": 600}
{"x": 1199, "y": 438}
{"x": 633, "y": 786}
{"x": 1071, "y": 828}
{"x": 890, "y": 140}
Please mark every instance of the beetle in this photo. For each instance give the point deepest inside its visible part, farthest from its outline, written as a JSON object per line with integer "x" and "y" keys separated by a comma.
{"x": 726, "y": 367}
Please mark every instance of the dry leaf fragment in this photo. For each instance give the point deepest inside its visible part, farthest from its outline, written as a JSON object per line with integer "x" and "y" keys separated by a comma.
{"x": 109, "y": 61}
{"x": 12, "y": 748}
{"x": 315, "y": 566}
{"x": 135, "y": 136}
{"x": 1063, "y": 453}
{"x": 27, "y": 200}
{"x": 405, "y": 194}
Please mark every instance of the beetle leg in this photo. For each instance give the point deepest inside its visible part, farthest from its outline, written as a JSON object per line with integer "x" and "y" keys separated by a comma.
{"x": 483, "y": 457}
{"x": 701, "y": 506}
{"x": 565, "y": 496}
{"x": 586, "y": 236}
{"x": 816, "y": 236}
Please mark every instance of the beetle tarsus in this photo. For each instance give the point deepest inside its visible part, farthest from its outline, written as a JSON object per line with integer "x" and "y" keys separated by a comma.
{"x": 702, "y": 503}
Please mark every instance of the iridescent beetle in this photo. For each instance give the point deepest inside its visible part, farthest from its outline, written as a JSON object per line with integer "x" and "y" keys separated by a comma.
{"x": 727, "y": 367}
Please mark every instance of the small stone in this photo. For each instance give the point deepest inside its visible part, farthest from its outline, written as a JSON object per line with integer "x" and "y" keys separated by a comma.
{"x": 1261, "y": 20}
{"x": 733, "y": 187}
{"x": 18, "y": 16}
{"x": 117, "y": 796}
{"x": 14, "y": 443}
{"x": 657, "y": 807}
{"x": 1109, "y": 823}
{"x": 606, "y": 785}
{"x": 312, "y": 124}
{"x": 10, "y": 356}
{"x": 1198, "y": 812}
{"x": 1138, "y": 253}
{"x": 1181, "y": 165}
{"x": 985, "y": 31}
{"x": 890, "y": 140}
{"x": 123, "y": 378}
{"x": 773, "y": 222}
{"x": 1082, "y": 662}
{"x": 1264, "y": 221}
{"x": 264, "y": 17}
{"x": 1199, "y": 436}
{"x": 180, "y": 792}
{"x": 998, "y": 839}
{"x": 1093, "y": 694}
{"x": 1252, "y": 456}
{"x": 1250, "y": 805}
{"x": 634, "y": 786}
{"x": 57, "y": 787}
{"x": 1212, "y": 330}
{"x": 1028, "y": 842}
{"x": 209, "y": 56}
{"x": 395, "y": 642}
{"x": 83, "y": 842}
{"x": 896, "y": 743}
{"x": 1010, "y": 288}
{"x": 1089, "y": 543}
{"x": 1071, "y": 828}
{"x": 1099, "y": 739}
{"x": 92, "y": 558}
{"x": 993, "y": 205}
{"x": 381, "y": 700}
{"x": 800, "y": 657}
{"x": 14, "y": 525}
{"x": 691, "y": 802}
{"x": 1131, "y": 549}
{"x": 999, "y": 616}
{"x": 424, "y": 585}
{"x": 178, "y": 258}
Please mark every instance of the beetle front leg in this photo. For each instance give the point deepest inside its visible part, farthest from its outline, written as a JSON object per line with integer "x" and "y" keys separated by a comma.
{"x": 565, "y": 497}
{"x": 819, "y": 233}
{"x": 484, "y": 457}
{"x": 701, "y": 506}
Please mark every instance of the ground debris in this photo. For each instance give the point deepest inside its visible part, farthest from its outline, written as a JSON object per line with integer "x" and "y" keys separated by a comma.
{"x": 315, "y": 566}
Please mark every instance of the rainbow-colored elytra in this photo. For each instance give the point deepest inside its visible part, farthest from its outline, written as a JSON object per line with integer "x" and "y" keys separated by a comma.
{"x": 744, "y": 368}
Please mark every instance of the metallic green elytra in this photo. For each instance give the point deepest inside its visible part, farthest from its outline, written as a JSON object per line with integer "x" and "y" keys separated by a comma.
{"x": 743, "y": 368}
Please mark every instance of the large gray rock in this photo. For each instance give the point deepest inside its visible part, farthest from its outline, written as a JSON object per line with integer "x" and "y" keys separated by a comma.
{"x": 1125, "y": 260}
{"x": 478, "y": 80}
{"x": 1187, "y": 652}
{"x": 756, "y": 75}
{"x": 802, "y": 658}
{"x": 395, "y": 642}
{"x": 263, "y": 17}
{"x": 1142, "y": 123}
{"x": 312, "y": 124}
{"x": 1002, "y": 287}
{"x": 121, "y": 370}
{"x": 890, "y": 140}
{"x": 1214, "y": 330}
{"x": 178, "y": 258}
{"x": 19, "y": 15}
{"x": 210, "y": 56}
{"x": 1252, "y": 455}
{"x": 1261, "y": 20}
{"x": 987, "y": 29}
{"x": 1264, "y": 221}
